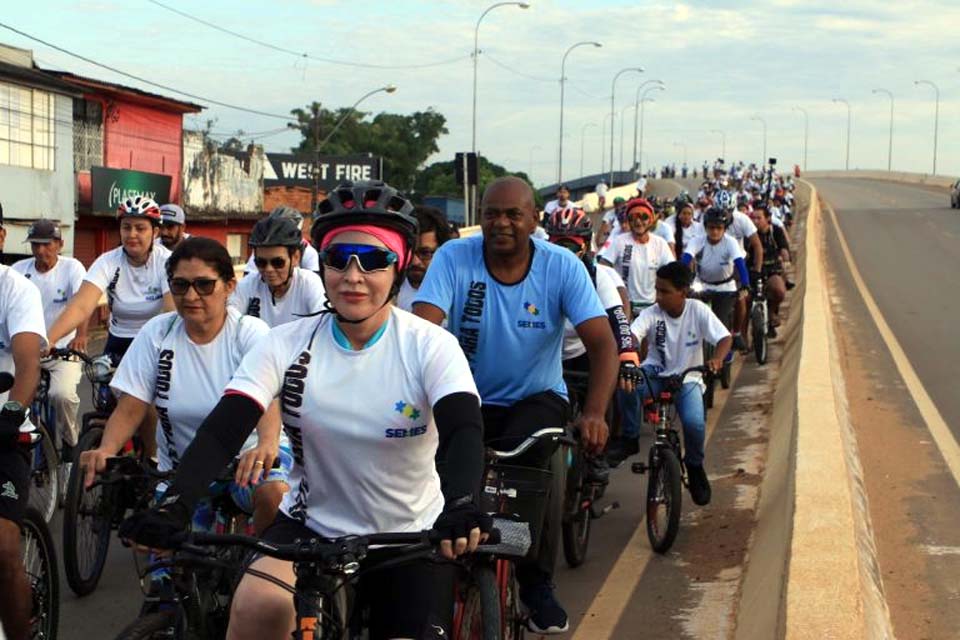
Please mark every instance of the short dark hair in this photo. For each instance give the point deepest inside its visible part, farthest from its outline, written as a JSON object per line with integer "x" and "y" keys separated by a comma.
{"x": 432, "y": 219}
{"x": 676, "y": 273}
{"x": 206, "y": 249}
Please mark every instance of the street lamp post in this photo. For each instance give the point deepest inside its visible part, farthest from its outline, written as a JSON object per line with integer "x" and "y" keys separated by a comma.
{"x": 889, "y": 94}
{"x": 936, "y": 120}
{"x": 643, "y": 102}
{"x": 764, "y": 123}
{"x": 636, "y": 117}
{"x": 613, "y": 95}
{"x": 563, "y": 80}
{"x": 806, "y": 133}
{"x": 471, "y": 203}
{"x": 316, "y": 151}
{"x": 623, "y": 125}
{"x": 841, "y": 100}
{"x": 603, "y": 157}
{"x": 583, "y": 138}
{"x": 723, "y": 142}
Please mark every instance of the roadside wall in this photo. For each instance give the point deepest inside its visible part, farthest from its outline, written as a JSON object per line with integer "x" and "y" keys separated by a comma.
{"x": 891, "y": 176}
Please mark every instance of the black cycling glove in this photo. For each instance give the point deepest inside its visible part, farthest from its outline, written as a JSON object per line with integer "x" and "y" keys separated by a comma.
{"x": 156, "y": 527}
{"x": 459, "y": 517}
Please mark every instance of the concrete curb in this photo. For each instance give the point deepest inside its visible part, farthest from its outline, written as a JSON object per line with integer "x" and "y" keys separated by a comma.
{"x": 833, "y": 588}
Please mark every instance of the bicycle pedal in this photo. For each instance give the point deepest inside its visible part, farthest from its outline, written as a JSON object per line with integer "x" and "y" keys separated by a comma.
{"x": 639, "y": 467}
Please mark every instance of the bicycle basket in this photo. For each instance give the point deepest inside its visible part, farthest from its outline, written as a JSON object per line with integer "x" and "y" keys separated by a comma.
{"x": 517, "y": 493}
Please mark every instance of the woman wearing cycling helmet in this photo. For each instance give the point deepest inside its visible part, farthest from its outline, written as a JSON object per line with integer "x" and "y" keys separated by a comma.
{"x": 280, "y": 291}
{"x": 720, "y": 265}
{"x": 367, "y": 394}
{"x": 180, "y": 362}
{"x": 132, "y": 276}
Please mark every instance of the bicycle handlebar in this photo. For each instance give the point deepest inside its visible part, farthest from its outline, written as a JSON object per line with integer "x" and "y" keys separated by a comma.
{"x": 67, "y": 354}
{"x": 531, "y": 440}
{"x": 704, "y": 369}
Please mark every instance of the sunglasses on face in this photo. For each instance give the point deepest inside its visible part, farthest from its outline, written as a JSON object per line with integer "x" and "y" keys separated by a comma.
{"x": 203, "y": 286}
{"x": 278, "y": 262}
{"x": 369, "y": 258}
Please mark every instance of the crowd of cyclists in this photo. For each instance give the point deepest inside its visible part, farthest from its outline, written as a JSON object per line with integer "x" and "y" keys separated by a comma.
{"x": 359, "y": 376}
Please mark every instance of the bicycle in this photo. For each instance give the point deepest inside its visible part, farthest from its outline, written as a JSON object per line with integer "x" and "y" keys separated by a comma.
{"x": 584, "y": 487}
{"x": 39, "y": 554}
{"x": 196, "y": 601}
{"x": 759, "y": 320}
{"x": 665, "y": 461}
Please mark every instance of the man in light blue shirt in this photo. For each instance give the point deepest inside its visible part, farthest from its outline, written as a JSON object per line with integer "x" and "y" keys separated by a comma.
{"x": 505, "y": 296}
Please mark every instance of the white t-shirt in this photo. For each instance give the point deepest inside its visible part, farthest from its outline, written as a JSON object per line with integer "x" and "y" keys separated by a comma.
{"x": 184, "y": 380}
{"x": 406, "y": 296}
{"x": 715, "y": 262}
{"x": 675, "y": 344}
{"x": 695, "y": 230}
{"x": 637, "y": 264}
{"x": 662, "y": 231}
{"x": 610, "y": 219}
{"x": 56, "y": 286}
{"x": 552, "y": 206}
{"x": 360, "y": 422}
{"x": 135, "y": 294}
{"x": 742, "y": 227}
{"x": 601, "y": 189}
{"x": 21, "y": 311}
{"x": 609, "y": 297}
{"x": 309, "y": 259}
{"x": 305, "y": 296}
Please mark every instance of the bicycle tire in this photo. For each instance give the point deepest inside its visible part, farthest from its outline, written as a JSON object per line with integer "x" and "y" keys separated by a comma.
{"x": 664, "y": 493}
{"x": 759, "y": 335}
{"x": 40, "y": 563}
{"x": 479, "y": 618}
{"x": 725, "y": 373}
{"x": 575, "y": 527}
{"x": 151, "y": 625}
{"x": 512, "y": 623}
{"x": 80, "y": 503}
{"x": 44, "y": 492}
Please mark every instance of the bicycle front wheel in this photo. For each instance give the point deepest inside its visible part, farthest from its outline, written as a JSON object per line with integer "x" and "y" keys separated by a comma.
{"x": 664, "y": 496}
{"x": 576, "y": 512}
{"x": 44, "y": 476}
{"x": 40, "y": 563}
{"x": 759, "y": 335}
{"x": 87, "y": 520}
{"x": 479, "y": 615}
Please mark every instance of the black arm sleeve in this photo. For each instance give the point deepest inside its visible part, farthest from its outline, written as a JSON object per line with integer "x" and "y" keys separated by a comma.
{"x": 460, "y": 426}
{"x": 621, "y": 329}
{"x": 218, "y": 440}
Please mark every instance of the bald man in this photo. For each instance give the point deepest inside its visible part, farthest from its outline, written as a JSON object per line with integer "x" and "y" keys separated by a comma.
{"x": 505, "y": 295}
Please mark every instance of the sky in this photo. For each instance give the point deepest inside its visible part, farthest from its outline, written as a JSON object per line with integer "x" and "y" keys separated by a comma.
{"x": 723, "y": 63}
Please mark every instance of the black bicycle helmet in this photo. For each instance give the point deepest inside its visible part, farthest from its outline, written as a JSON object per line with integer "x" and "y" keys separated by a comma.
{"x": 714, "y": 216}
{"x": 369, "y": 202}
{"x": 275, "y": 232}
{"x": 283, "y": 211}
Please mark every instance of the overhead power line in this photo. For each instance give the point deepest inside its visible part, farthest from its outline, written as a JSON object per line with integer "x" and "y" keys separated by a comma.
{"x": 144, "y": 80}
{"x": 302, "y": 54}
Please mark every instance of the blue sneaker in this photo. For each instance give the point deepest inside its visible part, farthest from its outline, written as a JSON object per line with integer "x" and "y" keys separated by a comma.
{"x": 546, "y": 614}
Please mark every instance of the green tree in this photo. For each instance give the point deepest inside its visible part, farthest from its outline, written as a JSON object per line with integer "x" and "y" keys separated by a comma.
{"x": 440, "y": 179}
{"x": 403, "y": 141}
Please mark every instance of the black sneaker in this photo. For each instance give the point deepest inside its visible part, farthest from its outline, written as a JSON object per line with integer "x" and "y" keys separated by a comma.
{"x": 698, "y": 484}
{"x": 620, "y": 449}
{"x": 546, "y": 615}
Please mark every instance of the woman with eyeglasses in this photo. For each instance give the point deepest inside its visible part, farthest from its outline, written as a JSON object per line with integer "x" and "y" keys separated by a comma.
{"x": 368, "y": 393}
{"x": 280, "y": 291}
{"x": 180, "y": 362}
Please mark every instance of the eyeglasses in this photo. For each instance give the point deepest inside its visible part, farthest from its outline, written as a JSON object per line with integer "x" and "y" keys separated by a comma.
{"x": 278, "y": 262}
{"x": 203, "y": 286}
{"x": 369, "y": 258}
{"x": 425, "y": 253}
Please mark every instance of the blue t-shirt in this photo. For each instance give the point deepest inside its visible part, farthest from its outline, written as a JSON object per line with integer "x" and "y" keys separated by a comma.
{"x": 512, "y": 334}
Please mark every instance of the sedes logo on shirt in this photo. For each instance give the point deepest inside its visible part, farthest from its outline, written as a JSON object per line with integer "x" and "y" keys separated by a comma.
{"x": 411, "y": 413}
{"x": 533, "y": 310}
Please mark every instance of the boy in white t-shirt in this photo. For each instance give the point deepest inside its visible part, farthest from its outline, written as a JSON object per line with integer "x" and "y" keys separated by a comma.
{"x": 671, "y": 335}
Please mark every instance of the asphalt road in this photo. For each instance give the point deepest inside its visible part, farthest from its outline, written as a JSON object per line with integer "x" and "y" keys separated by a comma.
{"x": 905, "y": 242}
{"x": 691, "y": 592}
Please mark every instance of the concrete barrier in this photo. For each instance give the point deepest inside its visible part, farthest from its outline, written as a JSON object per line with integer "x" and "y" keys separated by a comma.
{"x": 926, "y": 179}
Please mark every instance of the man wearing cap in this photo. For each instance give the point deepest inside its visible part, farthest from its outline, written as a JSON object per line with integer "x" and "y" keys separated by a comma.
{"x": 58, "y": 278}
{"x": 173, "y": 223}
{"x": 21, "y": 340}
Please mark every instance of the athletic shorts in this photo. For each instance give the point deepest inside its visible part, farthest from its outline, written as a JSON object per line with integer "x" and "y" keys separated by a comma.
{"x": 412, "y": 600}
{"x": 14, "y": 484}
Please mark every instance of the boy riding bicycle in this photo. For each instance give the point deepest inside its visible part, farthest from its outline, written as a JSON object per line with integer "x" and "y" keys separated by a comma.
{"x": 671, "y": 335}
